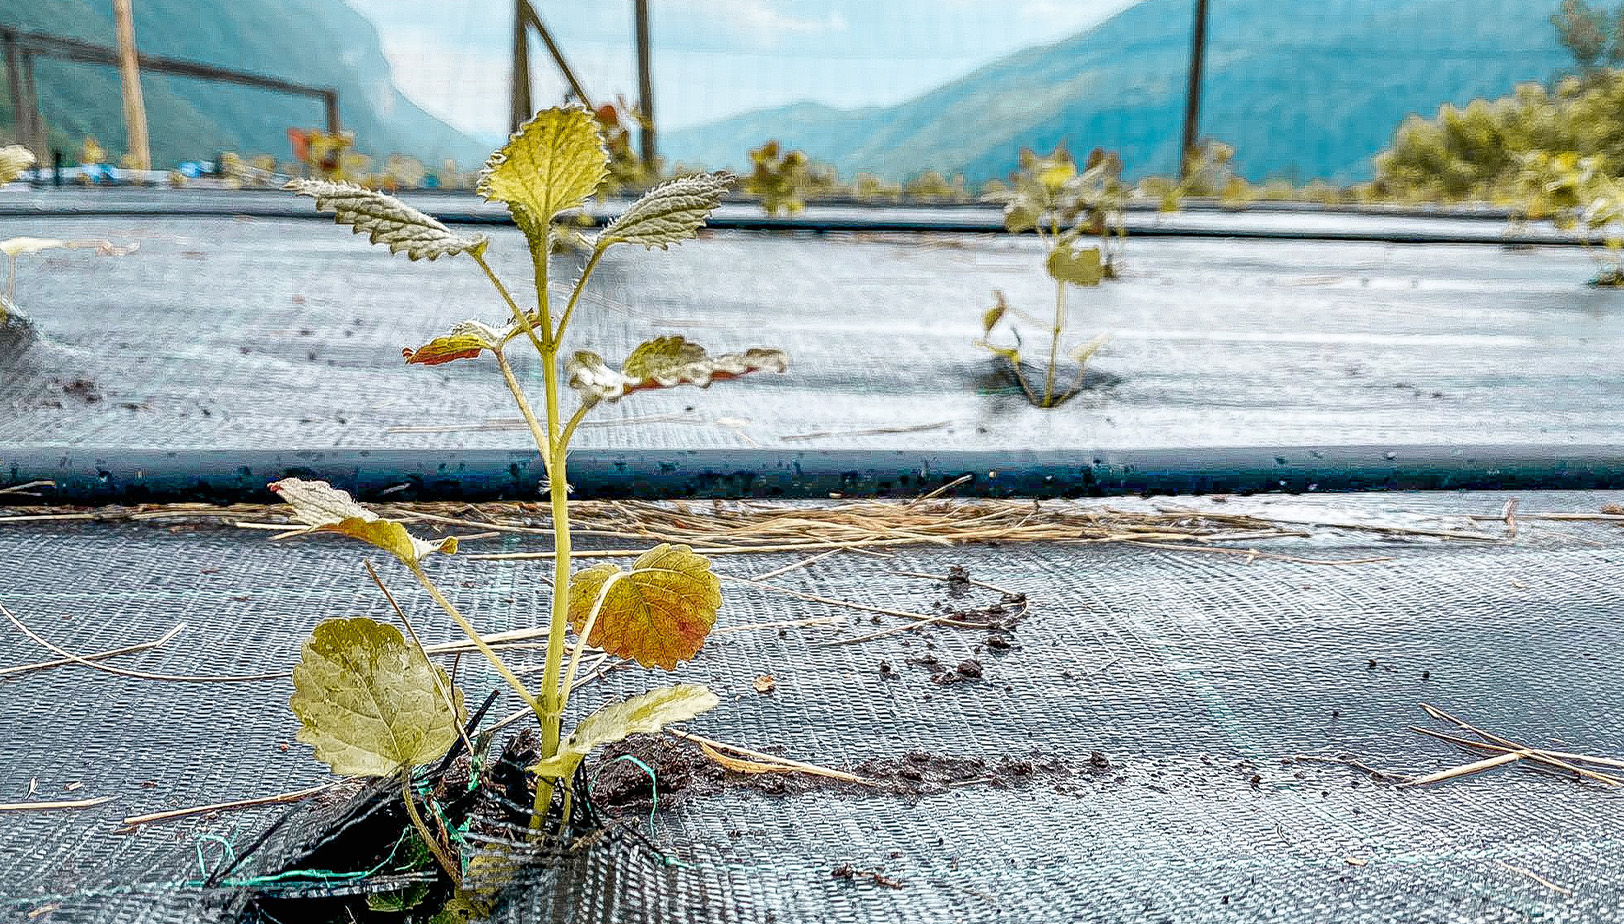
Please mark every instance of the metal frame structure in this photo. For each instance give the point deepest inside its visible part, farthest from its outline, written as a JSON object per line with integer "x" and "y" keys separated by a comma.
{"x": 21, "y": 48}
{"x": 526, "y": 18}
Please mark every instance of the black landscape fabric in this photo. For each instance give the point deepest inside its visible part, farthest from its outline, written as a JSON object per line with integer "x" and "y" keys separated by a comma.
{"x": 1129, "y": 750}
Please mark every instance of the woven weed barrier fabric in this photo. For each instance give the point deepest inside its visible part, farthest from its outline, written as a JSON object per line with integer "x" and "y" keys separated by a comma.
{"x": 286, "y": 335}
{"x": 1131, "y": 755}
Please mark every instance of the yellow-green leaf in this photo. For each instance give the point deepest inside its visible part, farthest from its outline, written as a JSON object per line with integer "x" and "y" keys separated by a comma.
{"x": 14, "y": 159}
{"x": 1013, "y": 354}
{"x": 1083, "y": 352}
{"x": 387, "y": 220}
{"x": 644, "y": 714}
{"x": 324, "y": 508}
{"x": 665, "y": 362}
{"x": 369, "y": 702}
{"x": 991, "y": 317}
{"x": 657, "y": 614}
{"x": 1079, "y": 267}
{"x": 671, "y": 212}
{"x": 466, "y": 341}
{"x": 552, "y": 164}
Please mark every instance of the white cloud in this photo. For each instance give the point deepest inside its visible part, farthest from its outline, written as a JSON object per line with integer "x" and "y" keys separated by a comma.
{"x": 763, "y": 20}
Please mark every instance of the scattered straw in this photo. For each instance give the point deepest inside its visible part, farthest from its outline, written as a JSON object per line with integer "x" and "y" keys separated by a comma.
{"x": 136, "y": 821}
{"x": 771, "y": 759}
{"x": 100, "y": 655}
{"x": 55, "y": 804}
{"x": 1534, "y": 876}
{"x": 744, "y": 527}
{"x": 138, "y": 675}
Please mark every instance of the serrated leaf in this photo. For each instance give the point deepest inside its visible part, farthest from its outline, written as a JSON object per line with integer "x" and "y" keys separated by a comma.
{"x": 665, "y": 362}
{"x": 387, "y": 220}
{"x": 14, "y": 159}
{"x": 466, "y": 341}
{"x": 657, "y": 614}
{"x": 550, "y": 165}
{"x": 644, "y": 714}
{"x": 325, "y": 508}
{"x": 369, "y": 702}
{"x": 1078, "y": 267}
{"x": 671, "y": 212}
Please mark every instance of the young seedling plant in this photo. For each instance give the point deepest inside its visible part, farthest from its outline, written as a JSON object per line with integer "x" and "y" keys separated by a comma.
{"x": 368, "y": 699}
{"x": 1573, "y": 193}
{"x": 781, "y": 179}
{"x": 1066, "y": 208}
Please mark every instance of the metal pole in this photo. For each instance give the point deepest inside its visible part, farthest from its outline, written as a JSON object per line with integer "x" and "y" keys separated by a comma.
{"x": 135, "y": 108}
{"x": 31, "y": 120}
{"x": 1192, "y": 101}
{"x": 329, "y": 101}
{"x": 520, "y": 112}
{"x": 534, "y": 19}
{"x": 14, "y": 82}
{"x": 645, "y": 85}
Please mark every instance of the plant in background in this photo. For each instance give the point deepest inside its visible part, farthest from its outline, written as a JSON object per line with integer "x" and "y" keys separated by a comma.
{"x": 626, "y": 167}
{"x": 14, "y": 159}
{"x": 401, "y": 172}
{"x": 1574, "y": 194}
{"x": 1209, "y": 173}
{"x": 366, "y": 698}
{"x": 780, "y": 180}
{"x": 1066, "y": 208}
{"x": 931, "y": 186}
{"x": 870, "y": 188}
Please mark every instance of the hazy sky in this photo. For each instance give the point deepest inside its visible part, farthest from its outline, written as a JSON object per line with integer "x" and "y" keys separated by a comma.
{"x": 712, "y": 58}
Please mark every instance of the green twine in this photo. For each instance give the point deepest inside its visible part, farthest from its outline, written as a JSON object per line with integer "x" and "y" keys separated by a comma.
{"x": 229, "y": 853}
{"x": 318, "y": 875}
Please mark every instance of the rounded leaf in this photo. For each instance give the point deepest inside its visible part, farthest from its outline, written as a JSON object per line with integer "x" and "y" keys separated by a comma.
{"x": 369, "y": 702}
{"x": 657, "y": 614}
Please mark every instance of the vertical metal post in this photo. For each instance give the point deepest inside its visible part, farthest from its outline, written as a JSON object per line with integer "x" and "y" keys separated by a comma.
{"x": 329, "y": 102}
{"x": 534, "y": 19}
{"x": 129, "y": 66}
{"x": 14, "y": 82}
{"x": 30, "y": 121}
{"x": 520, "y": 112}
{"x": 1192, "y": 101}
{"x": 645, "y": 85}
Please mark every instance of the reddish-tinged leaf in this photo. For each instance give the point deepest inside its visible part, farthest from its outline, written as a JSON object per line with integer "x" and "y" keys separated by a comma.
{"x": 443, "y": 350}
{"x": 656, "y": 614}
{"x": 323, "y": 507}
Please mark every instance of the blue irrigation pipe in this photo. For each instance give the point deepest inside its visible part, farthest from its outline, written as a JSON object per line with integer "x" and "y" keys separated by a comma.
{"x": 131, "y": 476}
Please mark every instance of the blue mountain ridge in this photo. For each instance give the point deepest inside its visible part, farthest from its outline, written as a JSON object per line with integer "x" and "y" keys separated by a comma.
{"x": 1303, "y": 90}
{"x": 323, "y": 43}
